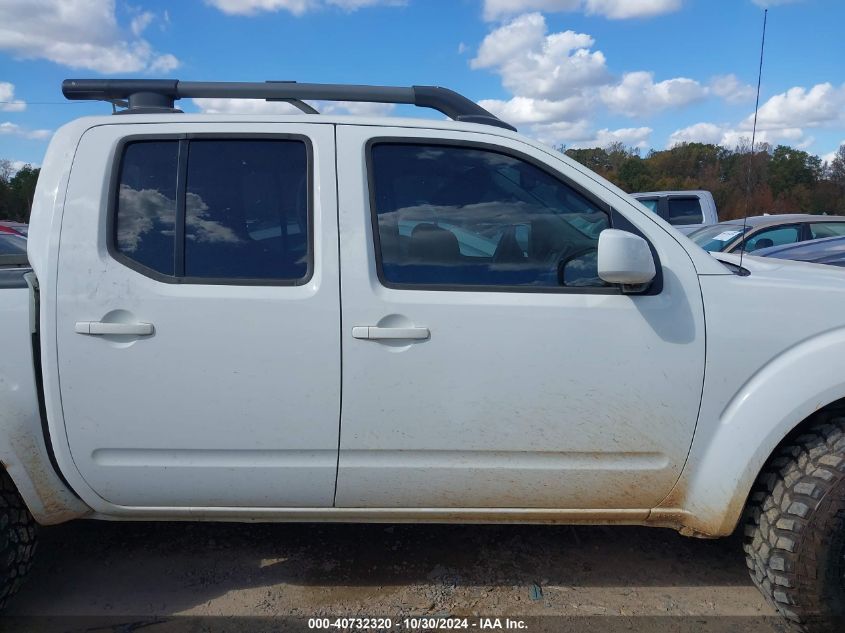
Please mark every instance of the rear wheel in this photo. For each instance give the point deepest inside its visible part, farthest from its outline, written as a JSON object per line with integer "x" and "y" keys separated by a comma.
{"x": 17, "y": 539}
{"x": 795, "y": 528}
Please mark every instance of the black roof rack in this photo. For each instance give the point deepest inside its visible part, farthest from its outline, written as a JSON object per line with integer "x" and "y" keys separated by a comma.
{"x": 160, "y": 95}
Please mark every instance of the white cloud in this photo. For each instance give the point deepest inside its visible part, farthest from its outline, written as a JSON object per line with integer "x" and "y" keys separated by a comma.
{"x": 17, "y": 165}
{"x": 638, "y": 95}
{"x": 525, "y": 110}
{"x": 613, "y": 9}
{"x": 698, "y": 133}
{"x": 559, "y": 83}
{"x": 625, "y": 9}
{"x": 78, "y": 34}
{"x": 630, "y": 136}
{"x": 140, "y": 22}
{"x": 828, "y": 158}
{"x": 258, "y": 106}
{"x": 8, "y": 103}
{"x": 731, "y": 89}
{"x": 534, "y": 64}
{"x": 783, "y": 118}
{"x": 13, "y": 129}
{"x": 823, "y": 104}
{"x": 296, "y": 7}
{"x": 732, "y": 136}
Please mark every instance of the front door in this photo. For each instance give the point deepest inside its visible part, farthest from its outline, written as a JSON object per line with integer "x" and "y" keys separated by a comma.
{"x": 485, "y": 364}
{"x": 198, "y": 315}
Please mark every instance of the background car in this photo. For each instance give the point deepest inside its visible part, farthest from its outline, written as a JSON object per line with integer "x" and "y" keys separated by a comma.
{"x": 764, "y": 231}
{"x": 685, "y": 210}
{"x": 12, "y": 249}
{"x": 14, "y": 227}
{"x": 830, "y": 250}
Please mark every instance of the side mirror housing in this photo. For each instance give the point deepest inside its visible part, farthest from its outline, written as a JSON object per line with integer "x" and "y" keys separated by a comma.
{"x": 625, "y": 258}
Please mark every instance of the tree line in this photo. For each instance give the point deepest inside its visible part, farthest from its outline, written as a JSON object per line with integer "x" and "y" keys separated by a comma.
{"x": 17, "y": 189}
{"x": 778, "y": 179}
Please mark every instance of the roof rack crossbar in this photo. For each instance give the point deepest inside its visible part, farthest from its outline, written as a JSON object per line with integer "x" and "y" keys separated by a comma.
{"x": 157, "y": 95}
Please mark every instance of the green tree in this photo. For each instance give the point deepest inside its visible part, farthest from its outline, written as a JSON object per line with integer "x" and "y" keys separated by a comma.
{"x": 790, "y": 168}
{"x": 17, "y": 191}
{"x": 836, "y": 169}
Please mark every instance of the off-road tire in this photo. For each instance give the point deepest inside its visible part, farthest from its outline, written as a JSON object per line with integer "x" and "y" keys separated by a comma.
{"x": 17, "y": 539}
{"x": 795, "y": 527}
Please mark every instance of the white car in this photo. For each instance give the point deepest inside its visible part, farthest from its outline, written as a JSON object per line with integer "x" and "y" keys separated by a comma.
{"x": 327, "y": 318}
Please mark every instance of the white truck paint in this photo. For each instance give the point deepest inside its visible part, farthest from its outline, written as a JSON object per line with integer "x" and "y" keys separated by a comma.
{"x": 612, "y": 433}
{"x": 654, "y": 408}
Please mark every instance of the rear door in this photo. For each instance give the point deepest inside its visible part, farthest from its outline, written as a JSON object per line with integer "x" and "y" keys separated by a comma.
{"x": 198, "y": 314}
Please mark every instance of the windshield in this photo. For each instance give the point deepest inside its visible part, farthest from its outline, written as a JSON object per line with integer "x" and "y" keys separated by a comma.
{"x": 715, "y": 238}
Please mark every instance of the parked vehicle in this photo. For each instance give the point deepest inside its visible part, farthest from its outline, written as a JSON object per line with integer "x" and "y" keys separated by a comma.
{"x": 557, "y": 377}
{"x": 16, "y": 228}
{"x": 12, "y": 249}
{"x": 685, "y": 210}
{"x": 830, "y": 250}
{"x": 764, "y": 231}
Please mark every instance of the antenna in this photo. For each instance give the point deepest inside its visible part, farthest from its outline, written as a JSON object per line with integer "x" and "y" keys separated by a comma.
{"x": 753, "y": 139}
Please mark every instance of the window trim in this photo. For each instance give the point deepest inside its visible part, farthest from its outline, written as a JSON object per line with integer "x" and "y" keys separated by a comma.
{"x": 183, "y": 139}
{"x": 655, "y": 287}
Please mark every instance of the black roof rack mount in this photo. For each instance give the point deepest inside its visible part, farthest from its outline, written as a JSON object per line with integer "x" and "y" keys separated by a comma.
{"x": 160, "y": 95}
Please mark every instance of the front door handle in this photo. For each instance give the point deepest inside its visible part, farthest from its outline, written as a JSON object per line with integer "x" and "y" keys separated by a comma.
{"x": 373, "y": 333}
{"x": 100, "y": 328}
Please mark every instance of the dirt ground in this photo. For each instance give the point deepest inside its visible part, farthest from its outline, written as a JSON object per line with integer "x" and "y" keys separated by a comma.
{"x": 90, "y": 568}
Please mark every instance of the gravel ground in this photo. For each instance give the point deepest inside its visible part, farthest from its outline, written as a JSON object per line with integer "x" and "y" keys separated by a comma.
{"x": 90, "y": 568}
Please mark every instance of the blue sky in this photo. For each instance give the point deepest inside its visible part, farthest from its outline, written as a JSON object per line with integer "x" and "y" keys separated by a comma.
{"x": 649, "y": 73}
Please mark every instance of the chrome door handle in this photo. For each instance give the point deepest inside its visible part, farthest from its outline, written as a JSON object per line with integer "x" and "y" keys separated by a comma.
{"x": 372, "y": 333}
{"x": 99, "y": 328}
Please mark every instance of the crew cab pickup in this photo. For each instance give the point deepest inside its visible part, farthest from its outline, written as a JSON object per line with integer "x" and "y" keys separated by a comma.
{"x": 328, "y": 318}
{"x": 685, "y": 210}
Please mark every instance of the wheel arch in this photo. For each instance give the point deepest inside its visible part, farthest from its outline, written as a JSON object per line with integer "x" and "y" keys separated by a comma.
{"x": 792, "y": 391}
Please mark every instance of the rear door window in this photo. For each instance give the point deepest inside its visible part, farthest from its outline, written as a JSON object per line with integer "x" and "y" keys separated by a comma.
{"x": 145, "y": 218}
{"x": 246, "y": 214}
{"x": 651, "y": 204}
{"x": 680, "y": 211}
{"x": 826, "y": 229}
{"x": 221, "y": 210}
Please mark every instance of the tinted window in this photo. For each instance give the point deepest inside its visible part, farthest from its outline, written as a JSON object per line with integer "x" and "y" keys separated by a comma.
{"x": 146, "y": 204}
{"x": 463, "y": 216}
{"x": 773, "y": 237}
{"x": 649, "y": 203}
{"x": 826, "y": 229}
{"x": 684, "y": 211}
{"x": 245, "y": 202}
{"x": 246, "y": 212}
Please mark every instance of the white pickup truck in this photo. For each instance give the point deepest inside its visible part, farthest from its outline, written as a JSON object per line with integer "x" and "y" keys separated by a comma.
{"x": 325, "y": 318}
{"x": 687, "y": 211}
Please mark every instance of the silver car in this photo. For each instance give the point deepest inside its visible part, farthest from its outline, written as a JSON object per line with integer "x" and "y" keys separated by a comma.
{"x": 764, "y": 231}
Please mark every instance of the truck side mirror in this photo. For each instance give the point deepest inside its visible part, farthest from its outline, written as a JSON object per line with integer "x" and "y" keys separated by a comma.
{"x": 625, "y": 258}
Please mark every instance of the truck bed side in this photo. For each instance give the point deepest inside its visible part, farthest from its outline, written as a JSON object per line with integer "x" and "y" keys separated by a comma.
{"x": 23, "y": 450}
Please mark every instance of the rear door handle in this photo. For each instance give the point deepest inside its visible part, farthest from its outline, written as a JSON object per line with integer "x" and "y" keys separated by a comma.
{"x": 373, "y": 333}
{"x": 99, "y": 328}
